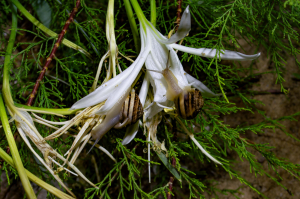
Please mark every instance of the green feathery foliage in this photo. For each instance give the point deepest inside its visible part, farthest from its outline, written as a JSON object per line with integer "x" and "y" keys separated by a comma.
{"x": 264, "y": 25}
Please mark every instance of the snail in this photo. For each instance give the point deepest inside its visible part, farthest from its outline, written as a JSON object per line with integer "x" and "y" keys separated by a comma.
{"x": 132, "y": 110}
{"x": 188, "y": 101}
{"x": 189, "y": 104}
{"x": 119, "y": 116}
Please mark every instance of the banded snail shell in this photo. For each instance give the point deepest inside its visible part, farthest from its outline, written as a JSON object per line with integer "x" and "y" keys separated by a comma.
{"x": 189, "y": 104}
{"x": 131, "y": 111}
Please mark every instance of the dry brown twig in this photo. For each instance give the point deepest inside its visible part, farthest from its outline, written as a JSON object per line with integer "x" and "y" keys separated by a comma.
{"x": 179, "y": 10}
{"x": 52, "y": 54}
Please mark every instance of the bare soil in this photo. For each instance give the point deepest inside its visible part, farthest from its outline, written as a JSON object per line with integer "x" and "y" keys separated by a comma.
{"x": 275, "y": 106}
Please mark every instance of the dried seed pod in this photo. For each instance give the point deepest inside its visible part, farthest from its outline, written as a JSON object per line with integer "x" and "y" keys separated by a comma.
{"x": 131, "y": 111}
{"x": 189, "y": 104}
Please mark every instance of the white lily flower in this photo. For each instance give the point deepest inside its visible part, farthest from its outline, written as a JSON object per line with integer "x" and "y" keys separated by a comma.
{"x": 160, "y": 47}
{"x": 154, "y": 53}
{"x": 157, "y": 60}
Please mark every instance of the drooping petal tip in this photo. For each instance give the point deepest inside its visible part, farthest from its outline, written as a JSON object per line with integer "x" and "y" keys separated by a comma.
{"x": 212, "y": 53}
{"x": 183, "y": 29}
{"x": 131, "y": 132}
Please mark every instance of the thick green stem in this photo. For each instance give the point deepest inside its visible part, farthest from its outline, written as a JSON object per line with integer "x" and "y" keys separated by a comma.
{"x": 14, "y": 151}
{"x": 61, "y": 111}
{"x": 9, "y": 48}
{"x": 35, "y": 179}
{"x": 139, "y": 13}
{"x": 9, "y": 101}
{"x": 133, "y": 26}
{"x": 153, "y": 12}
{"x": 47, "y": 30}
{"x": 110, "y": 35}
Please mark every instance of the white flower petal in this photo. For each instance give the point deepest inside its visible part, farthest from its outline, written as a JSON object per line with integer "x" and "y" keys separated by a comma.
{"x": 206, "y": 92}
{"x": 157, "y": 60}
{"x": 211, "y": 53}
{"x": 123, "y": 86}
{"x": 103, "y": 92}
{"x": 155, "y": 108}
{"x": 111, "y": 119}
{"x": 159, "y": 52}
{"x": 144, "y": 89}
{"x": 159, "y": 86}
{"x": 183, "y": 29}
{"x": 131, "y": 132}
{"x": 177, "y": 68}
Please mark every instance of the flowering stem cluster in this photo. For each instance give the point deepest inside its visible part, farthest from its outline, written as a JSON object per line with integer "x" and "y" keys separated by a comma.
{"x": 155, "y": 92}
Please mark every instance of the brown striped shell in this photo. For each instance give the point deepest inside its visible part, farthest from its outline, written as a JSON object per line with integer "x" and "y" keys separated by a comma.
{"x": 189, "y": 104}
{"x": 132, "y": 110}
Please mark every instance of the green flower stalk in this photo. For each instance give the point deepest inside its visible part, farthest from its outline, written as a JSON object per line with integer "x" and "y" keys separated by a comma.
{"x": 6, "y": 90}
{"x": 153, "y": 12}
{"x": 133, "y": 25}
{"x": 112, "y": 52}
{"x": 15, "y": 153}
{"x": 50, "y": 111}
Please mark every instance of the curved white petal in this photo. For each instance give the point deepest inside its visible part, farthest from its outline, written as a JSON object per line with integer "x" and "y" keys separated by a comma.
{"x": 159, "y": 86}
{"x": 130, "y": 134}
{"x": 183, "y": 29}
{"x": 211, "y": 53}
{"x": 155, "y": 108}
{"x": 206, "y": 92}
{"x": 104, "y": 91}
{"x": 124, "y": 85}
{"x": 177, "y": 68}
{"x": 144, "y": 89}
{"x": 159, "y": 51}
{"x": 157, "y": 60}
